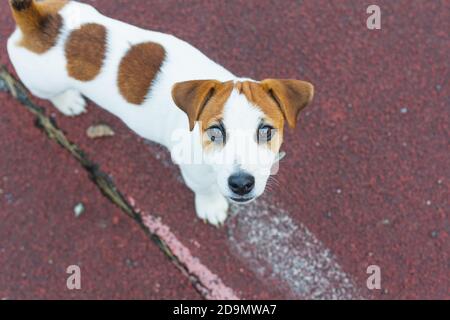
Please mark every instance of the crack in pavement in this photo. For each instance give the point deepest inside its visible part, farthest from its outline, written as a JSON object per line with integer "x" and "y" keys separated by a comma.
{"x": 165, "y": 241}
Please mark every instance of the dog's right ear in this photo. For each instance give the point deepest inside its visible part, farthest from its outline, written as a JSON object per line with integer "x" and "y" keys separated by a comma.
{"x": 192, "y": 97}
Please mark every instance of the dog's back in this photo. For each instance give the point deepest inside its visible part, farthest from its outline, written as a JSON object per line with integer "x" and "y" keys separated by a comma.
{"x": 63, "y": 50}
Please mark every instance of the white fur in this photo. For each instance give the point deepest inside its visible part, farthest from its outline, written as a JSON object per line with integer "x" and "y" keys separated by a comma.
{"x": 158, "y": 119}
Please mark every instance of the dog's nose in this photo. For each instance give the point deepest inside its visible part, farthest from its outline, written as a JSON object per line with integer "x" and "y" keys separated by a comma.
{"x": 241, "y": 183}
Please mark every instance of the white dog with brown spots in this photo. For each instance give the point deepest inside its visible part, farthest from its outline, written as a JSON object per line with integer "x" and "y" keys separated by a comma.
{"x": 224, "y": 132}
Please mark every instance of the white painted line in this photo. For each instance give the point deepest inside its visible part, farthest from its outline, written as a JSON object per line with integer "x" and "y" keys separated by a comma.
{"x": 271, "y": 244}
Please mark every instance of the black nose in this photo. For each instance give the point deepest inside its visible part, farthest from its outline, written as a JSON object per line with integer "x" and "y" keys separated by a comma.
{"x": 241, "y": 183}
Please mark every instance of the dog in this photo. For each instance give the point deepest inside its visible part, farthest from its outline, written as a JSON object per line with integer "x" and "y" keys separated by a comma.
{"x": 224, "y": 131}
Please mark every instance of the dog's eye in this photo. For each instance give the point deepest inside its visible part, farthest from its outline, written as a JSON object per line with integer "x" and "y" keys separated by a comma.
{"x": 216, "y": 134}
{"x": 265, "y": 133}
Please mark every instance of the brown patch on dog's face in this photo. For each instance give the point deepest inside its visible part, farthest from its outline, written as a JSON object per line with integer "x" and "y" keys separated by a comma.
{"x": 202, "y": 100}
{"x": 280, "y": 101}
{"x": 138, "y": 69}
{"x": 85, "y": 51}
{"x": 255, "y": 94}
{"x": 212, "y": 117}
{"x": 273, "y": 117}
{"x": 213, "y": 110}
{"x": 39, "y": 22}
{"x": 291, "y": 96}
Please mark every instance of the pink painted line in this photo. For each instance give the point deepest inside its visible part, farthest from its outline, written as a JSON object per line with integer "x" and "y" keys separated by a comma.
{"x": 212, "y": 286}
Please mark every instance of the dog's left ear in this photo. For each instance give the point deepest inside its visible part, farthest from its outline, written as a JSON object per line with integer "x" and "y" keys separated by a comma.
{"x": 193, "y": 96}
{"x": 292, "y": 96}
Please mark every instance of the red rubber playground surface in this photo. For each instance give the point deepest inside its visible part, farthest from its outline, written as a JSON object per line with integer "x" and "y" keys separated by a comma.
{"x": 365, "y": 181}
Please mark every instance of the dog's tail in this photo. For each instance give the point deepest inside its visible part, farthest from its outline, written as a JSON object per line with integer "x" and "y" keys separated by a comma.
{"x": 34, "y": 16}
{"x": 27, "y": 15}
{"x": 39, "y": 22}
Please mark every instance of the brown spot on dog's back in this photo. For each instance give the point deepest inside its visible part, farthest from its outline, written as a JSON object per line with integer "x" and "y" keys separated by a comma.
{"x": 85, "y": 51}
{"x": 39, "y": 22}
{"x": 138, "y": 69}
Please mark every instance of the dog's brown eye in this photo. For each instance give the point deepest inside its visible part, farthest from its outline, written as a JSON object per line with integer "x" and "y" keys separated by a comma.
{"x": 265, "y": 133}
{"x": 216, "y": 134}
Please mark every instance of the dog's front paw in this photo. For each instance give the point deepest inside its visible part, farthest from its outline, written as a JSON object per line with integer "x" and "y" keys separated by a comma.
{"x": 212, "y": 208}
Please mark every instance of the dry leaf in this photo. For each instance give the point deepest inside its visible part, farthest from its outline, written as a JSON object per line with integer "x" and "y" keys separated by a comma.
{"x": 99, "y": 131}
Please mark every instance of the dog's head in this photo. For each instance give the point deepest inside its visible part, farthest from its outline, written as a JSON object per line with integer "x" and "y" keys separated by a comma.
{"x": 241, "y": 127}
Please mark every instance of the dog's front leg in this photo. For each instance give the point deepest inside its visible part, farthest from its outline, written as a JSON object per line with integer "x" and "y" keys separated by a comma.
{"x": 210, "y": 204}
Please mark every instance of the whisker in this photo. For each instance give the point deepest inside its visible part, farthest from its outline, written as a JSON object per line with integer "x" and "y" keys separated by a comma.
{"x": 274, "y": 181}
{"x": 272, "y": 184}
